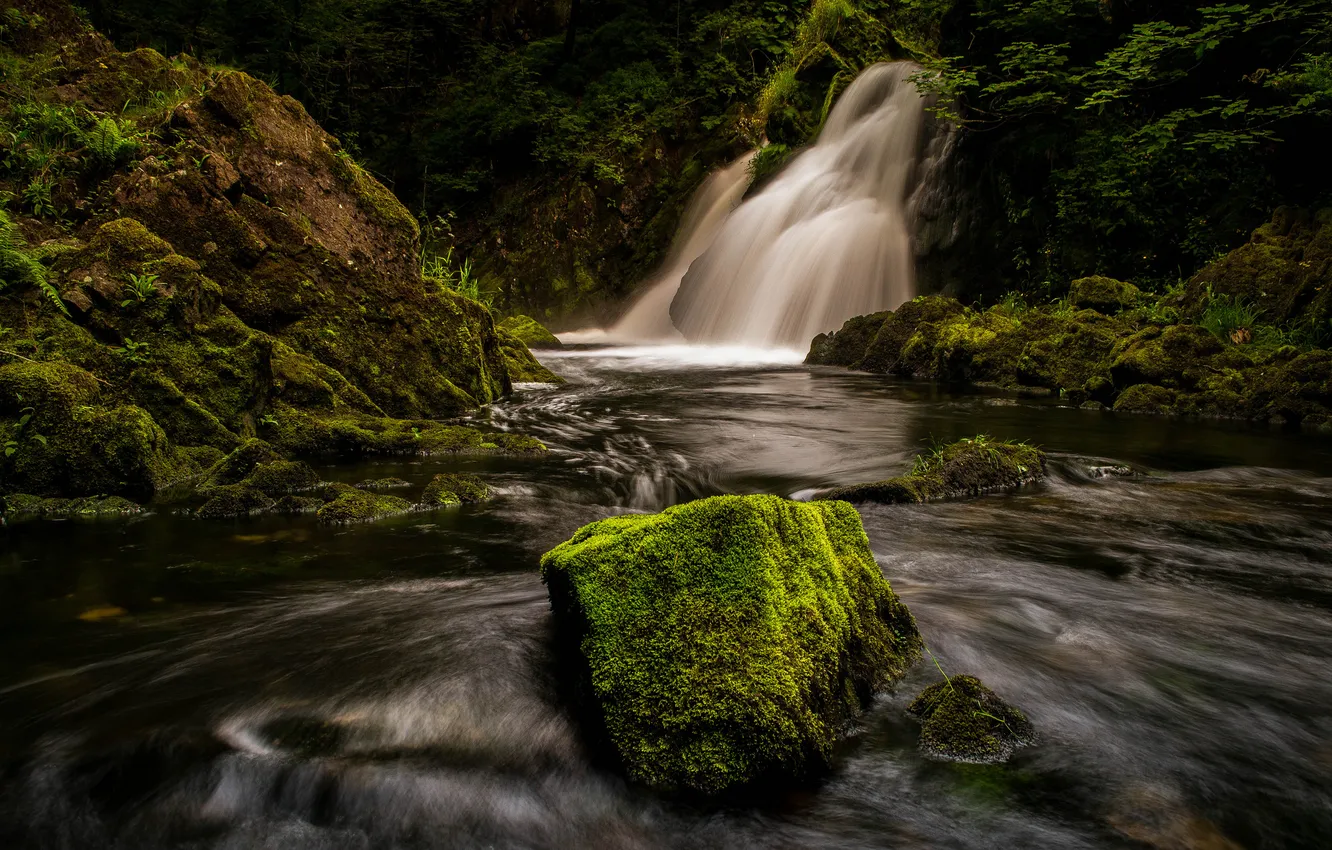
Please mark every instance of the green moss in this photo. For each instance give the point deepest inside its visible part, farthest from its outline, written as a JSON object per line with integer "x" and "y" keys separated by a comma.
{"x": 530, "y": 332}
{"x": 384, "y": 484}
{"x": 297, "y": 505}
{"x": 1103, "y": 294}
{"x": 234, "y": 500}
{"x": 352, "y": 434}
{"x": 728, "y": 640}
{"x": 964, "y": 721}
{"x": 846, "y": 347}
{"x": 523, "y": 368}
{"x": 21, "y": 505}
{"x": 455, "y": 489}
{"x": 348, "y": 505}
{"x": 238, "y": 465}
{"x": 968, "y": 467}
{"x": 1145, "y": 398}
{"x": 283, "y": 477}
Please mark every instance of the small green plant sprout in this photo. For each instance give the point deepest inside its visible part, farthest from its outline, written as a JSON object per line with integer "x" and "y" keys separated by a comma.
{"x": 22, "y": 433}
{"x": 141, "y": 289}
{"x": 268, "y": 420}
{"x": 133, "y": 352}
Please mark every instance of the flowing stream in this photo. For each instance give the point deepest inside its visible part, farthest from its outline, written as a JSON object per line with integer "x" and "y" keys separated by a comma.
{"x": 270, "y": 683}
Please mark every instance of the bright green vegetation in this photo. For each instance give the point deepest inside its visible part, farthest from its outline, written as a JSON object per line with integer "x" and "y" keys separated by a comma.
{"x": 189, "y": 262}
{"x": 345, "y": 504}
{"x": 968, "y": 467}
{"x": 1245, "y": 338}
{"x": 726, "y": 641}
{"x": 962, "y": 720}
{"x": 455, "y": 489}
{"x": 531, "y": 332}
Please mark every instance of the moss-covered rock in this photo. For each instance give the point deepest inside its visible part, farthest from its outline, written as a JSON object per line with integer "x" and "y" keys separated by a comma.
{"x": 1145, "y": 398}
{"x": 968, "y": 467}
{"x": 22, "y": 504}
{"x": 1103, "y": 294}
{"x": 384, "y": 484}
{"x": 313, "y": 434}
{"x": 964, "y": 721}
{"x": 283, "y": 478}
{"x": 523, "y": 367}
{"x": 348, "y": 505}
{"x": 234, "y": 500}
{"x": 727, "y": 640}
{"x": 455, "y": 489}
{"x": 531, "y": 332}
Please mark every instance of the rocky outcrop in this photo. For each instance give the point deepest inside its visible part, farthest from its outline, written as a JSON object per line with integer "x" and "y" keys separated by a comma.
{"x": 222, "y": 270}
{"x": 968, "y": 467}
{"x": 727, "y": 641}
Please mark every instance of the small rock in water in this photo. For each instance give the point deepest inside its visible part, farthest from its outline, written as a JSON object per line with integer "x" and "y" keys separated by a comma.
{"x": 964, "y": 721}
{"x": 1112, "y": 471}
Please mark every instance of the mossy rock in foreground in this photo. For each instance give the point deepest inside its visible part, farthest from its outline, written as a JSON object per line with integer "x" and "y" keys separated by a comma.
{"x": 968, "y": 467}
{"x": 964, "y": 721}
{"x": 726, "y": 641}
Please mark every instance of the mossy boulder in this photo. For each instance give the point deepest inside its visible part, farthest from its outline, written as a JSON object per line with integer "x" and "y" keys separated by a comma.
{"x": 1103, "y": 294}
{"x": 968, "y": 467}
{"x": 67, "y": 443}
{"x": 346, "y": 504}
{"x": 455, "y": 489}
{"x": 1175, "y": 356}
{"x": 351, "y": 434}
{"x": 1145, "y": 398}
{"x": 235, "y": 500}
{"x": 523, "y": 367}
{"x": 531, "y": 332}
{"x": 384, "y": 484}
{"x": 24, "y": 505}
{"x": 1284, "y": 271}
{"x": 283, "y": 478}
{"x": 728, "y": 640}
{"x": 964, "y": 721}
{"x": 846, "y": 347}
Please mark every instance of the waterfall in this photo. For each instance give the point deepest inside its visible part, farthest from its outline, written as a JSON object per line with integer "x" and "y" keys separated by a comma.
{"x": 649, "y": 319}
{"x": 829, "y": 238}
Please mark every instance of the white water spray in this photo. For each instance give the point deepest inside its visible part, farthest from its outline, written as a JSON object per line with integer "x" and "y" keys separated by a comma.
{"x": 828, "y": 239}
{"x": 649, "y": 320}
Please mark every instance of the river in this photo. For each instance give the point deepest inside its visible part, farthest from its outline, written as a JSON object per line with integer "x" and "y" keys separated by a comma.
{"x": 271, "y": 683}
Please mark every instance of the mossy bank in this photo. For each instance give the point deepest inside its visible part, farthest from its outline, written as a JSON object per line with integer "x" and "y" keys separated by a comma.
{"x": 1245, "y": 338}
{"x": 190, "y": 262}
{"x": 726, "y": 641}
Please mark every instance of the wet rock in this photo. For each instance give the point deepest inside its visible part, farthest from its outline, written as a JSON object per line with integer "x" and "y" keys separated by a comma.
{"x": 968, "y": 467}
{"x": 455, "y": 489}
{"x": 297, "y": 505}
{"x": 346, "y": 504}
{"x": 21, "y": 504}
{"x": 1145, "y": 398}
{"x": 726, "y": 641}
{"x": 283, "y": 477}
{"x": 523, "y": 367}
{"x": 1111, "y": 471}
{"x": 234, "y": 500}
{"x": 1159, "y": 818}
{"x": 964, "y": 721}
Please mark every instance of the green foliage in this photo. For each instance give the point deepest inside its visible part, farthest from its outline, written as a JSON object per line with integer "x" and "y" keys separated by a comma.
{"x": 19, "y": 267}
{"x": 142, "y": 288}
{"x": 768, "y": 161}
{"x": 22, "y": 432}
{"x": 1143, "y": 139}
{"x": 132, "y": 352}
{"x": 728, "y": 639}
{"x": 1225, "y": 316}
{"x": 110, "y": 143}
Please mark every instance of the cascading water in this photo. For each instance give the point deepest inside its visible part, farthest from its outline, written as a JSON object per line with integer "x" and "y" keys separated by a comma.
{"x": 828, "y": 239}
{"x": 649, "y": 320}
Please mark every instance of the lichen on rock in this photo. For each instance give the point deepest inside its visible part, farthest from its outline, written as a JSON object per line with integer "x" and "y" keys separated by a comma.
{"x": 964, "y": 721}
{"x": 530, "y": 332}
{"x": 726, "y": 641}
{"x": 968, "y": 467}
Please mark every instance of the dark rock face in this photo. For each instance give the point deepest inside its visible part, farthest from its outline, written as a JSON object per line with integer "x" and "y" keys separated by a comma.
{"x": 726, "y": 641}
{"x": 966, "y": 468}
{"x": 964, "y": 721}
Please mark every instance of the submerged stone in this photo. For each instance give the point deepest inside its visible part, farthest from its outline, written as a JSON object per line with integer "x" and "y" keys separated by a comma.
{"x": 727, "y": 640}
{"x": 455, "y": 489}
{"x": 964, "y": 721}
{"x": 968, "y": 467}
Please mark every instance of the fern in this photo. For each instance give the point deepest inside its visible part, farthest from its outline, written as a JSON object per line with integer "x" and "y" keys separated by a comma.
{"x": 109, "y": 144}
{"x": 17, "y": 266}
